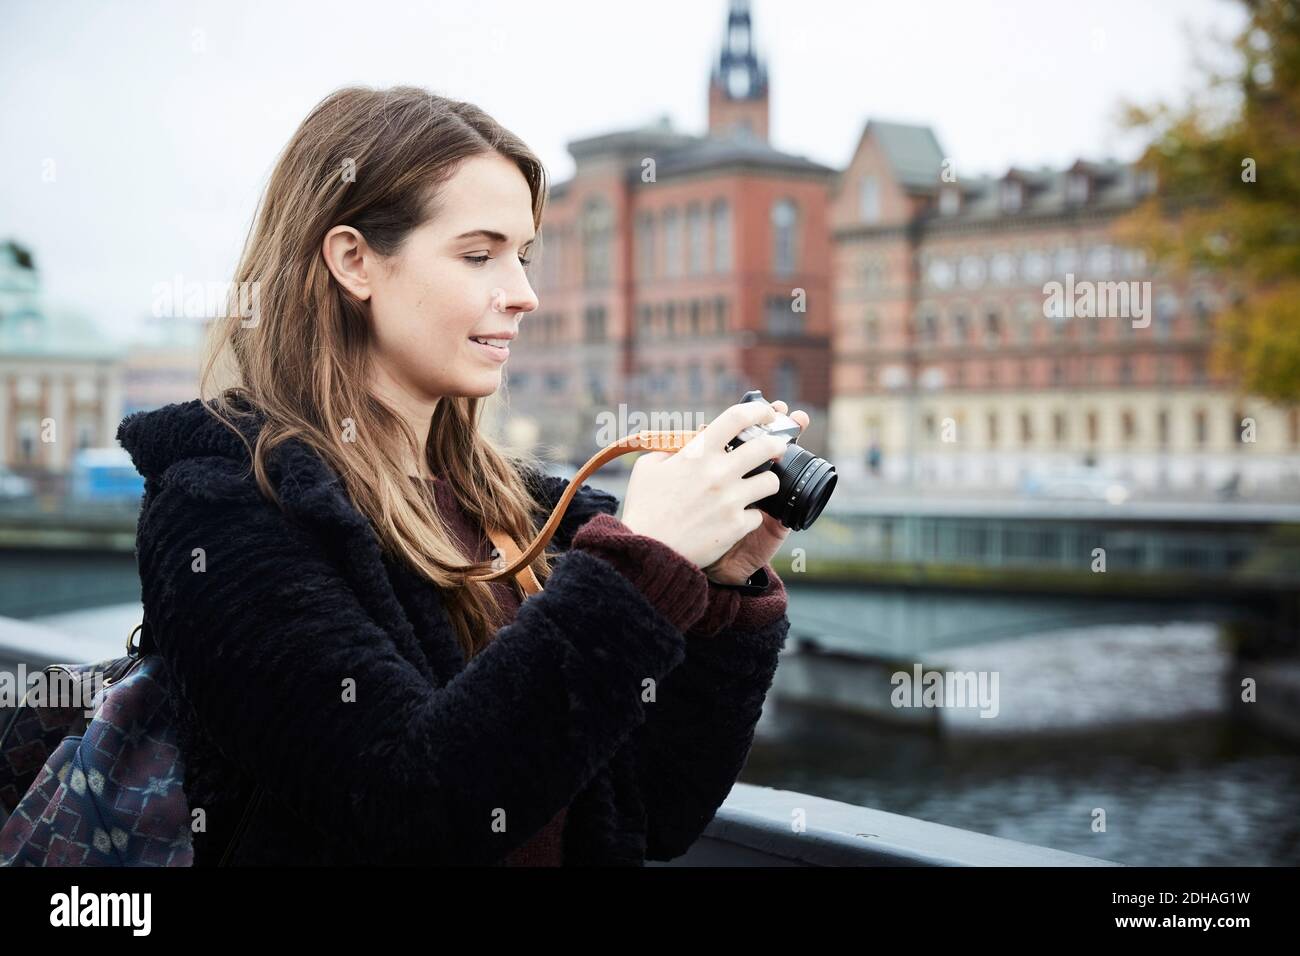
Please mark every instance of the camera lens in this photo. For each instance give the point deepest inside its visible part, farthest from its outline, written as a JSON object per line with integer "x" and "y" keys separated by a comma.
{"x": 806, "y": 485}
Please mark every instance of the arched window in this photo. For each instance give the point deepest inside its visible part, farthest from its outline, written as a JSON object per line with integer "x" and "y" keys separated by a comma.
{"x": 672, "y": 243}
{"x": 694, "y": 238}
{"x": 721, "y": 236}
{"x": 645, "y": 245}
{"x": 785, "y": 226}
{"x": 597, "y": 235}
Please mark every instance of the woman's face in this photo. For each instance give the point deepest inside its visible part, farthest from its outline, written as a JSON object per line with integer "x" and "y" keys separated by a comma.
{"x": 458, "y": 277}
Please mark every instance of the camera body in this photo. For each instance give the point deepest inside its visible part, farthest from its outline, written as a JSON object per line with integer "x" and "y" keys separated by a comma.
{"x": 806, "y": 480}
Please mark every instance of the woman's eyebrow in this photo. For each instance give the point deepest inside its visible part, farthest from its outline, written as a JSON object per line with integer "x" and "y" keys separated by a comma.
{"x": 488, "y": 234}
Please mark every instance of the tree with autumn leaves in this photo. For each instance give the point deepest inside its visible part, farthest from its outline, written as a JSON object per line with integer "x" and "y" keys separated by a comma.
{"x": 1227, "y": 197}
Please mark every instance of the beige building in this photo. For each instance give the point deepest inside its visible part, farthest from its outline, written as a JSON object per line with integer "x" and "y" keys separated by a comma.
{"x": 990, "y": 330}
{"x": 60, "y": 379}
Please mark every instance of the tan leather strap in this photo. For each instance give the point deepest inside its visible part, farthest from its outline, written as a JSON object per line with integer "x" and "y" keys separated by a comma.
{"x": 510, "y": 553}
{"x": 518, "y": 562}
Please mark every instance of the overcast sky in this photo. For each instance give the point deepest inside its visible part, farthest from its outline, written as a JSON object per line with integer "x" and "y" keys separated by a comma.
{"x": 160, "y": 120}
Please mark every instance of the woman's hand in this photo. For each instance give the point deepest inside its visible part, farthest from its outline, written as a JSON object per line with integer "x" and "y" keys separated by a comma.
{"x": 757, "y": 548}
{"x": 696, "y": 500}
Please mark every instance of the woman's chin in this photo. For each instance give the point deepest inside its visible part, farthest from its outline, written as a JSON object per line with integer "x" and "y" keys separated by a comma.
{"x": 480, "y": 386}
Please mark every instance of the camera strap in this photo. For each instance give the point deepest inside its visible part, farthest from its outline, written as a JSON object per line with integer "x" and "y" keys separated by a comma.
{"x": 518, "y": 561}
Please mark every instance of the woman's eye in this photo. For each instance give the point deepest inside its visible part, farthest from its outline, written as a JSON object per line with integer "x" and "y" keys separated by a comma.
{"x": 479, "y": 260}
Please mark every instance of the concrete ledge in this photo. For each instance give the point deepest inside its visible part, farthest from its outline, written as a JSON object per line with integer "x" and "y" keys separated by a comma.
{"x": 753, "y": 828}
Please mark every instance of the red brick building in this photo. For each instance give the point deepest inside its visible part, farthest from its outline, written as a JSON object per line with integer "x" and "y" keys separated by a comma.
{"x": 676, "y": 271}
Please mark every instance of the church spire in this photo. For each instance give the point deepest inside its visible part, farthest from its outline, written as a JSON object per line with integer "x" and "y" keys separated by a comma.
{"x": 738, "y": 82}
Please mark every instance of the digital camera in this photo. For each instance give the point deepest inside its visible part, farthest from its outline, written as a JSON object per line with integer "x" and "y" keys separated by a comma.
{"x": 806, "y": 480}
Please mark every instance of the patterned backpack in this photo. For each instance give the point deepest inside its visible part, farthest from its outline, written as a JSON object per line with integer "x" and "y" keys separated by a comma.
{"x": 90, "y": 771}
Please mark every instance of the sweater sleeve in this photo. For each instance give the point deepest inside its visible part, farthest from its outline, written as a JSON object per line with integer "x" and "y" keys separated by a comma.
{"x": 728, "y": 610}
{"x": 295, "y": 681}
{"x": 668, "y": 579}
{"x": 700, "y": 725}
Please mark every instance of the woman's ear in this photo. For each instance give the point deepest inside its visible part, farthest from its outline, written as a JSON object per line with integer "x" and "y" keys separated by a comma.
{"x": 349, "y": 259}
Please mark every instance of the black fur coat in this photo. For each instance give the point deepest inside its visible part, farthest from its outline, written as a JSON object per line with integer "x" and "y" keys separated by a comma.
{"x": 267, "y": 619}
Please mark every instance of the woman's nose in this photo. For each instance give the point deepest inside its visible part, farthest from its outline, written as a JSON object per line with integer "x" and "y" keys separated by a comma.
{"x": 517, "y": 299}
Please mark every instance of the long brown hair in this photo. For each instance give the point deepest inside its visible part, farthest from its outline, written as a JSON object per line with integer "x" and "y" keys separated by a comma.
{"x": 303, "y": 358}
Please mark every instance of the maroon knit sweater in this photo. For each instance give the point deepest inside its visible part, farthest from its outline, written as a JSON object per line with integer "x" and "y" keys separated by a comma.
{"x": 676, "y": 587}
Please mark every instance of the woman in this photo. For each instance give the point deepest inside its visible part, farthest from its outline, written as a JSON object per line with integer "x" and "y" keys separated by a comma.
{"x": 306, "y": 535}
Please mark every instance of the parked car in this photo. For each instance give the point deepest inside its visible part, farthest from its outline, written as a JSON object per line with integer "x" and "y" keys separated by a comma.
{"x": 105, "y": 474}
{"x": 14, "y": 485}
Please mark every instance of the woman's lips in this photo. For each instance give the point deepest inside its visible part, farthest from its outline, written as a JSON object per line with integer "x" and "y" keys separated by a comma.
{"x": 493, "y": 352}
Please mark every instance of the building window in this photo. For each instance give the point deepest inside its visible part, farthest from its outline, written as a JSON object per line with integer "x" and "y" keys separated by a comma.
{"x": 1128, "y": 425}
{"x": 870, "y": 199}
{"x": 720, "y": 310}
{"x": 785, "y": 226}
{"x": 960, "y": 326}
{"x": 645, "y": 244}
{"x": 695, "y": 381}
{"x": 1166, "y": 312}
{"x": 1026, "y": 428}
{"x": 672, "y": 243}
{"x": 993, "y": 428}
{"x": 1235, "y": 428}
{"x": 722, "y": 381}
{"x": 1102, "y": 260}
{"x": 597, "y": 236}
{"x": 871, "y": 329}
{"x": 695, "y": 318}
{"x": 786, "y": 384}
{"x": 1076, "y": 189}
{"x": 594, "y": 323}
{"x": 1203, "y": 309}
{"x": 1012, "y": 195}
{"x": 1025, "y": 321}
{"x": 721, "y": 236}
{"x": 781, "y": 317}
{"x": 670, "y": 320}
{"x": 1202, "y": 427}
{"x": 1126, "y": 371}
{"x": 949, "y": 201}
{"x": 596, "y": 386}
{"x": 1092, "y": 428}
{"x": 695, "y": 239}
{"x": 1058, "y": 427}
{"x": 992, "y": 328}
{"x": 27, "y": 431}
{"x": 973, "y": 271}
{"x": 1162, "y": 427}
{"x": 927, "y": 327}
{"x": 940, "y": 273}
